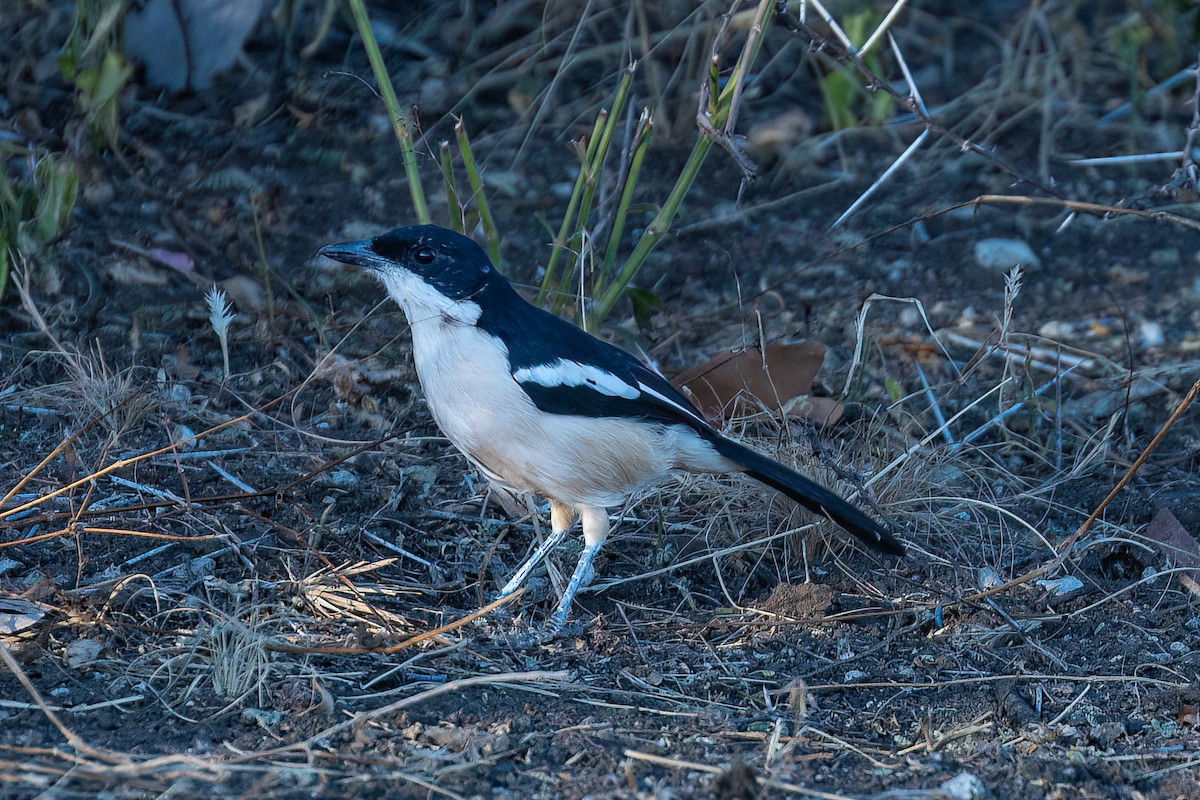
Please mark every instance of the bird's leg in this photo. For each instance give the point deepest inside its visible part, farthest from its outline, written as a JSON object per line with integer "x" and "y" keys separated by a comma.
{"x": 561, "y": 518}
{"x": 595, "y": 531}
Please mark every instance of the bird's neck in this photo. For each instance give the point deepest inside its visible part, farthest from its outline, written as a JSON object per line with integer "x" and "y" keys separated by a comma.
{"x": 422, "y": 303}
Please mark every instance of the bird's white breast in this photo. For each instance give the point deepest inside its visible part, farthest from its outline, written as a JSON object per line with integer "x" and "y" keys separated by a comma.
{"x": 485, "y": 413}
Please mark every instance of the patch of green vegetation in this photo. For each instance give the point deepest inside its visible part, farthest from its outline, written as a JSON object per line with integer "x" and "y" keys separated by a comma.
{"x": 608, "y": 278}
{"x": 1152, "y": 42}
{"x": 34, "y": 209}
{"x": 93, "y": 60}
{"x": 846, "y": 101}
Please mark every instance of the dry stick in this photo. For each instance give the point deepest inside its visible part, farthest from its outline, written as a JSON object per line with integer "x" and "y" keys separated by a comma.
{"x": 63, "y": 445}
{"x": 1075, "y": 205}
{"x": 399, "y": 705}
{"x": 1078, "y": 205}
{"x": 1133, "y": 468}
{"x": 68, "y": 734}
{"x": 73, "y": 528}
{"x": 125, "y": 462}
{"x": 209, "y": 502}
{"x": 913, "y": 685}
{"x": 280, "y": 647}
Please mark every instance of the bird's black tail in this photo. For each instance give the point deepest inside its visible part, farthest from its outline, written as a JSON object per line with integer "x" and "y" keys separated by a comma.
{"x": 809, "y": 494}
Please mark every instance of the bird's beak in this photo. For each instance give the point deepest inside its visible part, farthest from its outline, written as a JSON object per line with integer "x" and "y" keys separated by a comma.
{"x": 358, "y": 253}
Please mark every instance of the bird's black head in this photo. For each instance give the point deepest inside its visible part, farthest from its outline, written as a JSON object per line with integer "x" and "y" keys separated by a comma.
{"x": 447, "y": 261}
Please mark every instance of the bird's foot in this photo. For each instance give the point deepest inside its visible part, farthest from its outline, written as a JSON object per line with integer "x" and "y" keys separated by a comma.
{"x": 535, "y": 589}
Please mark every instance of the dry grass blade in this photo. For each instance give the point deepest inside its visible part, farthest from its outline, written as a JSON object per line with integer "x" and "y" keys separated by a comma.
{"x": 53, "y": 454}
{"x": 1065, "y": 546}
{"x": 280, "y": 647}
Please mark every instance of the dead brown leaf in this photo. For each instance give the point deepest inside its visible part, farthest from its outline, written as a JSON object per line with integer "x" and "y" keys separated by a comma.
{"x": 736, "y": 383}
{"x": 1177, "y": 543}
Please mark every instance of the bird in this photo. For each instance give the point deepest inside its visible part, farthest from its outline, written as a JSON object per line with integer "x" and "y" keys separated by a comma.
{"x": 541, "y": 406}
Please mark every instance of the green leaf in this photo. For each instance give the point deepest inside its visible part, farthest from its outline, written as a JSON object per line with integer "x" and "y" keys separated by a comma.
{"x": 644, "y": 302}
{"x": 114, "y": 73}
{"x": 4, "y": 263}
{"x": 57, "y": 185}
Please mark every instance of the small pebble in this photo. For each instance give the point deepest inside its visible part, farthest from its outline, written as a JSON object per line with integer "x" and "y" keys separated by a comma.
{"x": 1151, "y": 334}
{"x": 964, "y": 786}
{"x": 1058, "y": 331}
{"x": 988, "y": 578}
{"x": 1004, "y": 254}
{"x": 343, "y": 478}
{"x": 1061, "y": 586}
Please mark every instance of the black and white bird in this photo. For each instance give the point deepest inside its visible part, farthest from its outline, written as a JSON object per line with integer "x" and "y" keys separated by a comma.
{"x": 541, "y": 406}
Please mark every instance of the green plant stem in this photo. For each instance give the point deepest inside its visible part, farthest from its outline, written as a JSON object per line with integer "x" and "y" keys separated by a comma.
{"x": 591, "y": 172}
{"x": 457, "y": 219}
{"x": 398, "y": 119}
{"x": 485, "y": 211}
{"x": 561, "y": 240}
{"x": 654, "y": 231}
{"x": 719, "y": 111}
{"x": 645, "y": 129}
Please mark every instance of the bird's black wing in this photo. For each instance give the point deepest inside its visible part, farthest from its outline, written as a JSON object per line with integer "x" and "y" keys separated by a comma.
{"x": 566, "y": 370}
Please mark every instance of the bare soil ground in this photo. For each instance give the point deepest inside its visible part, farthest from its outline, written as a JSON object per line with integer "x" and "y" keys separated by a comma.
{"x": 258, "y": 613}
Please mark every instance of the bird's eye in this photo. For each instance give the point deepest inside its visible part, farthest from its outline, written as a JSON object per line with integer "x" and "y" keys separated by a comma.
{"x": 424, "y": 255}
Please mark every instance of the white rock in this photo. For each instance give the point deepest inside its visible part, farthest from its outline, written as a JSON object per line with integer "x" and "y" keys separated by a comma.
{"x": 964, "y": 786}
{"x": 82, "y": 653}
{"x": 1151, "y": 334}
{"x": 1061, "y": 586}
{"x": 1004, "y": 254}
